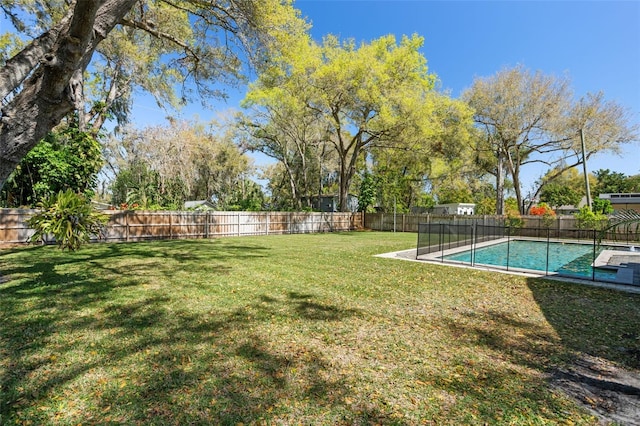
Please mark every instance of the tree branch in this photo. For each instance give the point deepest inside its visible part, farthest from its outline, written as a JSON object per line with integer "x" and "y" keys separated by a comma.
{"x": 21, "y": 65}
{"x": 145, "y": 26}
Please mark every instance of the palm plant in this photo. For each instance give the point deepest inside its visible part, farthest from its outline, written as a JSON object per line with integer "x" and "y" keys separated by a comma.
{"x": 69, "y": 218}
{"x": 626, "y": 222}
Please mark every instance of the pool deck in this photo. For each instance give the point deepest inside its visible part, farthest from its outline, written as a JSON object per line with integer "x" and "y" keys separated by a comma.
{"x": 626, "y": 263}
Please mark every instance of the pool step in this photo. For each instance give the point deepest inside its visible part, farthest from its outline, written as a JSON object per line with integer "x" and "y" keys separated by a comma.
{"x": 626, "y": 263}
{"x": 625, "y": 275}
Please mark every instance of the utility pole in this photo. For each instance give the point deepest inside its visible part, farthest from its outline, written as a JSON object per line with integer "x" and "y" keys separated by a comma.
{"x": 584, "y": 168}
{"x": 500, "y": 184}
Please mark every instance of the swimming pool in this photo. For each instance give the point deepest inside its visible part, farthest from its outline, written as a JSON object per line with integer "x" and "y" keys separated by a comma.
{"x": 567, "y": 259}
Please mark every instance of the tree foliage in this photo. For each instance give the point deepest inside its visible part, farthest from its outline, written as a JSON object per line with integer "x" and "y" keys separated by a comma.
{"x": 558, "y": 195}
{"x": 162, "y": 166}
{"x": 66, "y": 158}
{"x": 367, "y": 193}
{"x": 601, "y": 206}
{"x": 354, "y": 99}
{"x": 512, "y": 213}
{"x": 530, "y": 118}
{"x": 247, "y": 196}
{"x": 175, "y": 51}
{"x": 610, "y": 182}
{"x": 138, "y": 186}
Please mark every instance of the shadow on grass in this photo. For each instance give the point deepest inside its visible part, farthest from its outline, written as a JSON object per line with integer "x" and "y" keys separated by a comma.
{"x": 598, "y": 322}
{"x": 595, "y": 328}
{"x": 76, "y": 347}
{"x": 190, "y": 256}
{"x": 500, "y": 378}
{"x": 308, "y": 309}
{"x": 600, "y": 330}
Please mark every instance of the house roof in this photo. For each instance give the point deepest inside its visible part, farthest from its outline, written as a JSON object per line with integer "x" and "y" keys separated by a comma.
{"x": 198, "y": 204}
{"x": 622, "y": 198}
{"x": 456, "y": 205}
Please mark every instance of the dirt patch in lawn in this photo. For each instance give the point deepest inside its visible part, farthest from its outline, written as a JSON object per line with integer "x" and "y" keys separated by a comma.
{"x": 9, "y": 246}
{"x": 610, "y": 392}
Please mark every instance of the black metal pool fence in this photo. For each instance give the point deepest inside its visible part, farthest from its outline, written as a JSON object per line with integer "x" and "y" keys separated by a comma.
{"x": 441, "y": 238}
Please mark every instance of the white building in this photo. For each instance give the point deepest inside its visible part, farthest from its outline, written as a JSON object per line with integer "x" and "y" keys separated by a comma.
{"x": 455, "y": 208}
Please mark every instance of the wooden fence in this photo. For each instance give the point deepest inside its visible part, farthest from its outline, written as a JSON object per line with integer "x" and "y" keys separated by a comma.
{"x": 140, "y": 225}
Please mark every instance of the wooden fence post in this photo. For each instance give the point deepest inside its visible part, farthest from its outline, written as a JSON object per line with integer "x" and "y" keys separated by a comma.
{"x": 206, "y": 225}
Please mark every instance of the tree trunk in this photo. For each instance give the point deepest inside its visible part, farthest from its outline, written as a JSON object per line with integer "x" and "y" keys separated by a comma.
{"x": 516, "y": 187}
{"x": 292, "y": 183}
{"x": 514, "y": 169}
{"x": 20, "y": 66}
{"x": 53, "y": 87}
{"x": 345, "y": 181}
{"x": 347, "y": 170}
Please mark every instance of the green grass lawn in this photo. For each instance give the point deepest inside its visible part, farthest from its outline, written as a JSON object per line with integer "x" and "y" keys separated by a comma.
{"x": 294, "y": 329}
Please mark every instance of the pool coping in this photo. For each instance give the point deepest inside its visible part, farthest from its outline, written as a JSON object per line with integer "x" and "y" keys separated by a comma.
{"x": 433, "y": 258}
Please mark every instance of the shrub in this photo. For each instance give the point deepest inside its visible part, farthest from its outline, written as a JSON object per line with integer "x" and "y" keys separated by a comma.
{"x": 541, "y": 210}
{"x": 547, "y": 213}
{"x": 602, "y": 206}
{"x": 590, "y": 220}
{"x": 69, "y": 218}
{"x": 514, "y": 220}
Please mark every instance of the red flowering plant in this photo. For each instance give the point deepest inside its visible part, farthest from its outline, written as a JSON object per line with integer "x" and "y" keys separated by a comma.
{"x": 127, "y": 206}
{"x": 547, "y": 213}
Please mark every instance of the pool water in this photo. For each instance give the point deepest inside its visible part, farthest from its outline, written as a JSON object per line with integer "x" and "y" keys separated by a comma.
{"x": 569, "y": 259}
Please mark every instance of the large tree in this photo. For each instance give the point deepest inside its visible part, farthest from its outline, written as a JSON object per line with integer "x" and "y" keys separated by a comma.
{"x": 363, "y": 96}
{"x": 279, "y": 125}
{"x": 161, "y": 45}
{"x": 531, "y": 118}
{"x": 614, "y": 182}
{"x": 166, "y": 165}
{"x": 373, "y": 95}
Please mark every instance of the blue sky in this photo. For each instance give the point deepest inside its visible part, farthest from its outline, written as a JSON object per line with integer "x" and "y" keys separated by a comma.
{"x": 595, "y": 43}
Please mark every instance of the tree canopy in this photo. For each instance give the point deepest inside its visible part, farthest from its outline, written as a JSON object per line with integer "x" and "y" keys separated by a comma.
{"x": 163, "y": 166}
{"x": 609, "y": 182}
{"x": 531, "y": 118}
{"x": 557, "y": 195}
{"x": 336, "y": 115}
{"x": 173, "y": 50}
{"x": 66, "y": 159}
{"x": 354, "y": 99}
